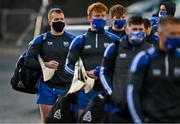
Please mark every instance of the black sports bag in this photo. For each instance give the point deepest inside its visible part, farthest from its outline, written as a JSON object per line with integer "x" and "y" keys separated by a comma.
{"x": 24, "y": 79}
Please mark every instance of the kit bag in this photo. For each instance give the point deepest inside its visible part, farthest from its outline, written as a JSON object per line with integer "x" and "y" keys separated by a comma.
{"x": 64, "y": 110}
{"x": 24, "y": 79}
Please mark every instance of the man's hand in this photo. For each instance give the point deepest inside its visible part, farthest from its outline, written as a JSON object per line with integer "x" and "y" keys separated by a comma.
{"x": 91, "y": 74}
{"x": 52, "y": 64}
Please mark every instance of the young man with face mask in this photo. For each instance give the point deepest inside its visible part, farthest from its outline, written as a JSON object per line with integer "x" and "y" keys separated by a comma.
{"x": 90, "y": 47}
{"x": 116, "y": 61}
{"x": 166, "y": 8}
{"x": 53, "y": 48}
{"x": 154, "y": 76}
{"x": 151, "y": 37}
{"x": 118, "y": 16}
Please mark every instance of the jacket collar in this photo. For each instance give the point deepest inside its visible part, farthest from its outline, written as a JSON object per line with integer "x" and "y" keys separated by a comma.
{"x": 126, "y": 44}
{"x": 99, "y": 32}
{"x": 119, "y": 33}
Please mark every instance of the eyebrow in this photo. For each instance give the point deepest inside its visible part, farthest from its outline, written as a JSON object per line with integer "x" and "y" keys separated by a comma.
{"x": 137, "y": 28}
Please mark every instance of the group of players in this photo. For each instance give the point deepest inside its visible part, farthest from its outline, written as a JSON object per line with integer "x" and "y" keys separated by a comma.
{"x": 135, "y": 63}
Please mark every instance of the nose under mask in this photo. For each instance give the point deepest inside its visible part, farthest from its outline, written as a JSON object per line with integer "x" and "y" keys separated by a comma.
{"x": 136, "y": 37}
{"x": 58, "y": 26}
{"x": 172, "y": 43}
{"x": 98, "y": 23}
{"x": 119, "y": 23}
{"x": 162, "y": 14}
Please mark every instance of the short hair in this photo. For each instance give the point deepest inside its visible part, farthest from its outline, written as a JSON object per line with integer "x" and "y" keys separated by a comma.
{"x": 57, "y": 10}
{"x": 98, "y": 6}
{"x": 117, "y": 10}
{"x": 135, "y": 20}
{"x": 168, "y": 20}
{"x": 147, "y": 23}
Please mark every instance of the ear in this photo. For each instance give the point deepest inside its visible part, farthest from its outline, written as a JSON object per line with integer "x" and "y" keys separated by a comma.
{"x": 159, "y": 33}
{"x": 126, "y": 29}
{"x": 49, "y": 22}
{"x": 89, "y": 18}
{"x": 148, "y": 30}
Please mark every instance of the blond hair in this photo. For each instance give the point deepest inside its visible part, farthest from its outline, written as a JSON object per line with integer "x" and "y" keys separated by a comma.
{"x": 98, "y": 6}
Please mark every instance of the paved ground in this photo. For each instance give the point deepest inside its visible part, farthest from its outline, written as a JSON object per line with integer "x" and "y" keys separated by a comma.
{"x": 15, "y": 107}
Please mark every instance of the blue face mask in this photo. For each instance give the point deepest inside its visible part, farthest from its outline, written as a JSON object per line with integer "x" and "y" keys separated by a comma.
{"x": 98, "y": 23}
{"x": 119, "y": 23}
{"x": 172, "y": 43}
{"x": 136, "y": 37}
{"x": 162, "y": 14}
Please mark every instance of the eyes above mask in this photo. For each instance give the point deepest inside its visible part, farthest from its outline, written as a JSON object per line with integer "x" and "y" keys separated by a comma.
{"x": 98, "y": 23}
{"x": 119, "y": 23}
{"x": 136, "y": 37}
{"x": 162, "y": 13}
{"x": 58, "y": 26}
{"x": 172, "y": 43}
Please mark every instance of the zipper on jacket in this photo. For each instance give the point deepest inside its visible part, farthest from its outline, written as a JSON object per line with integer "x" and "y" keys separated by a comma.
{"x": 167, "y": 65}
{"x": 96, "y": 41}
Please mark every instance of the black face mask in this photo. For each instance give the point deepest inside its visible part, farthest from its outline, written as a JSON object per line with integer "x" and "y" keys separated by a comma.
{"x": 58, "y": 26}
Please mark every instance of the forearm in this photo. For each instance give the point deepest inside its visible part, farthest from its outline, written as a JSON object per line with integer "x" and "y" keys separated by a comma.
{"x": 105, "y": 80}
